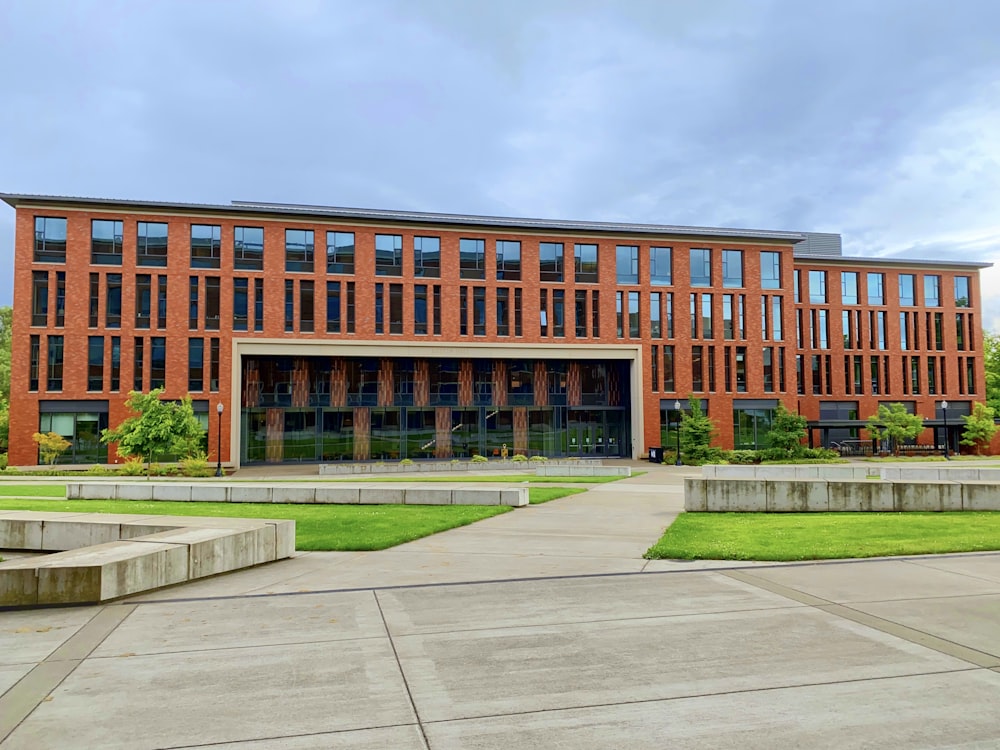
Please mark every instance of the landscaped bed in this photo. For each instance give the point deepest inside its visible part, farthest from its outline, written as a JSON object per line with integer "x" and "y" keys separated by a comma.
{"x": 824, "y": 536}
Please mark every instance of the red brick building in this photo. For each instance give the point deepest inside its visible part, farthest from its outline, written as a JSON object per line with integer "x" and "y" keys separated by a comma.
{"x": 338, "y": 334}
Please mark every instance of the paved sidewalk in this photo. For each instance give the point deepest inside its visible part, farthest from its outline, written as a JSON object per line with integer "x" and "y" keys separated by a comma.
{"x": 539, "y": 628}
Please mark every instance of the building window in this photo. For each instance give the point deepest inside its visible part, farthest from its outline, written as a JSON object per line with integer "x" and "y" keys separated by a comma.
{"x": 436, "y": 297}
{"x": 60, "y": 299}
{"x": 395, "y": 308}
{"x": 797, "y": 277}
{"x": 932, "y": 291}
{"x": 517, "y": 312}
{"x": 849, "y": 287}
{"x": 701, "y": 267}
{"x": 777, "y": 313}
{"x": 380, "y": 308}
{"x": 113, "y": 300}
{"x": 627, "y": 264}
{"x": 558, "y": 312}
{"x": 55, "y": 364}
{"x": 333, "y": 307}
{"x": 307, "y": 310}
{"x": 655, "y": 313}
{"x": 95, "y": 299}
{"x": 214, "y": 358}
{"x": 143, "y": 300}
{"x": 503, "y": 311}
{"x": 585, "y": 263}
{"x": 248, "y": 248}
{"x": 106, "y": 241}
{"x": 479, "y": 311}
{"x": 116, "y": 363}
{"x": 258, "y": 304}
{"x": 550, "y": 261}
{"x": 350, "y": 307}
{"x": 670, "y": 315}
{"x": 157, "y": 362}
{"x": 388, "y": 255}
{"x": 633, "y": 315}
{"x": 161, "y": 302}
{"x": 508, "y": 260}
{"x": 241, "y": 304}
{"x": 728, "y": 327}
{"x": 697, "y": 368}
{"x": 151, "y": 244}
{"x": 817, "y": 287}
{"x": 619, "y": 315}
{"x": 299, "y": 250}
{"x": 427, "y": 257}
{"x": 138, "y": 365}
{"x": 33, "y": 358}
{"x": 768, "y": 362}
{"x": 472, "y": 258}
{"x": 770, "y": 270}
{"x": 206, "y": 245}
{"x": 212, "y": 292}
{"x": 50, "y": 240}
{"x": 876, "y": 294}
{"x": 40, "y": 298}
{"x": 707, "y": 329}
{"x": 668, "y": 368}
{"x": 654, "y": 361}
{"x": 193, "y": 283}
{"x": 420, "y": 310}
{"x": 340, "y": 252}
{"x": 543, "y": 311}
{"x": 732, "y": 268}
{"x": 907, "y": 284}
{"x": 580, "y": 313}
{"x": 741, "y": 369}
{"x": 962, "y": 295}
{"x": 463, "y": 311}
{"x": 289, "y": 306}
{"x": 196, "y": 364}
{"x": 661, "y": 270}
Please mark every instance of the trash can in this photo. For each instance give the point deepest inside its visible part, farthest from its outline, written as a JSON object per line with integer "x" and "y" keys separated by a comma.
{"x": 656, "y": 455}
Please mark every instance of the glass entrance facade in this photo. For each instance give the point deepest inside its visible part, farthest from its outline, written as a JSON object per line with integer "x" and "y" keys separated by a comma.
{"x": 358, "y": 409}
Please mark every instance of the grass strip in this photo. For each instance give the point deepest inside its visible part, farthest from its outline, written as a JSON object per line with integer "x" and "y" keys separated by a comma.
{"x": 32, "y": 490}
{"x": 537, "y": 495}
{"x": 824, "y": 536}
{"x": 530, "y": 478}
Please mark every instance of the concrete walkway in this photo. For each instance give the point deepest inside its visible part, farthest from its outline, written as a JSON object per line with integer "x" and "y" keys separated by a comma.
{"x": 539, "y": 628}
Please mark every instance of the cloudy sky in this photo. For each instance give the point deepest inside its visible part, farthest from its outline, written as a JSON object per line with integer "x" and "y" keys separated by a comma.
{"x": 879, "y": 119}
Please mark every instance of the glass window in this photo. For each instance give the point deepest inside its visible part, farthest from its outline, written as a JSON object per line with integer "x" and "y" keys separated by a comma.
{"x": 817, "y": 287}
{"x": 508, "y": 260}
{"x": 258, "y": 304}
{"x": 876, "y": 295}
{"x": 248, "y": 248}
{"x": 849, "y": 287}
{"x": 116, "y": 363}
{"x": 299, "y": 250}
{"x": 158, "y": 362}
{"x": 701, "y": 267}
{"x": 655, "y": 311}
{"x": 907, "y": 285}
{"x": 106, "y": 241}
{"x": 137, "y": 365}
{"x": 479, "y": 311}
{"x": 333, "y": 307}
{"x": 427, "y": 257}
{"x": 113, "y": 301}
{"x": 307, "y": 308}
{"x": 472, "y": 258}
{"x": 212, "y": 289}
{"x": 770, "y": 270}
{"x": 388, "y": 255}
{"x": 550, "y": 261}
{"x": 627, "y": 264}
{"x": 633, "y": 315}
{"x": 420, "y": 309}
{"x": 55, "y": 364}
{"x": 143, "y": 300}
{"x": 932, "y": 291}
{"x": 60, "y": 299}
{"x": 95, "y": 363}
{"x": 241, "y": 304}
{"x": 962, "y": 295}
{"x": 50, "y": 240}
{"x": 396, "y": 308}
{"x": 289, "y": 305}
{"x": 206, "y": 245}
{"x": 39, "y": 298}
{"x": 161, "y": 302}
{"x": 585, "y": 263}
{"x": 732, "y": 268}
{"x": 151, "y": 244}
{"x": 558, "y": 312}
{"x": 196, "y": 364}
{"x": 340, "y": 252}
{"x": 661, "y": 270}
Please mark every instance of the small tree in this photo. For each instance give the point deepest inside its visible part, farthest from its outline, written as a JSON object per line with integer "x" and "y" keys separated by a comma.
{"x": 697, "y": 431}
{"x": 158, "y": 428}
{"x": 895, "y": 424}
{"x": 979, "y": 427}
{"x": 788, "y": 430}
{"x": 51, "y": 446}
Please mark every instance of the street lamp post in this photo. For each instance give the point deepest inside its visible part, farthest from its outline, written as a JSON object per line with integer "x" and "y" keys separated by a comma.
{"x": 677, "y": 408}
{"x": 218, "y": 449}
{"x": 944, "y": 414}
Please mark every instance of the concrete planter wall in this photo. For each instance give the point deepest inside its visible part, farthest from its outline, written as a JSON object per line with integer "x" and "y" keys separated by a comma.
{"x": 431, "y": 467}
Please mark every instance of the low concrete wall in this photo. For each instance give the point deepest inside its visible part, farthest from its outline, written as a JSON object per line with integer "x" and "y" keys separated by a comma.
{"x": 817, "y": 495}
{"x": 103, "y": 556}
{"x": 893, "y": 473}
{"x": 582, "y": 470}
{"x": 260, "y": 492}
{"x": 431, "y": 467}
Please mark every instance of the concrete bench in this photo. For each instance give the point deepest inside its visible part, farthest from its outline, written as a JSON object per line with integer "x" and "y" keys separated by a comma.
{"x": 105, "y": 556}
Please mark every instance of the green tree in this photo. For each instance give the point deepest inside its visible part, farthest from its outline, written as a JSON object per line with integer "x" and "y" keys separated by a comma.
{"x": 895, "y": 424}
{"x": 788, "y": 430}
{"x": 991, "y": 357}
{"x": 158, "y": 428}
{"x": 697, "y": 432}
{"x": 979, "y": 427}
{"x": 51, "y": 446}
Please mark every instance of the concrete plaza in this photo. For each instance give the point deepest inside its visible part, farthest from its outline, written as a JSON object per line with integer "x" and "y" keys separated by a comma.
{"x": 542, "y": 627}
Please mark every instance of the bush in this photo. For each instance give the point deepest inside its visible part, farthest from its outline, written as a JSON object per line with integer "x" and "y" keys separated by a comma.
{"x": 3, "y": 461}
{"x": 742, "y": 456}
{"x": 133, "y": 467}
{"x": 519, "y": 458}
{"x": 477, "y": 459}
{"x": 196, "y": 466}
{"x": 406, "y": 462}
{"x": 538, "y": 458}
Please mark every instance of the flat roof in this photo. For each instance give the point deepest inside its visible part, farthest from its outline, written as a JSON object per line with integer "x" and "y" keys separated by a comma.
{"x": 867, "y": 260}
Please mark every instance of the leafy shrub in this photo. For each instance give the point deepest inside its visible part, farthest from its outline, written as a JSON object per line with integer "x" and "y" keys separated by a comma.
{"x": 133, "y": 467}
{"x": 3, "y": 461}
{"x": 51, "y": 446}
{"x": 519, "y": 458}
{"x": 538, "y": 458}
{"x": 477, "y": 459}
{"x": 742, "y": 456}
{"x": 406, "y": 462}
{"x": 196, "y": 466}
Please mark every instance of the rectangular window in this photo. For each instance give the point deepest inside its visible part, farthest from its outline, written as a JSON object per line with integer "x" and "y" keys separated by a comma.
{"x": 619, "y": 314}
{"x": 907, "y": 284}
{"x": 770, "y": 270}
{"x": 823, "y": 329}
{"x": 654, "y": 362}
{"x": 800, "y": 375}
{"x": 846, "y": 328}
{"x": 350, "y": 307}
{"x": 543, "y": 311}
{"x": 113, "y": 301}
{"x": 258, "y": 304}
{"x": 106, "y": 241}
{"x": 40, "y": 298}
{"x": 151, "y": 244}
{"x": 55, "y": 364}
{"x": 463, "y": 311}
{"x": 214, "y": 359}
{"x": 693, "y": 315}
{"x": 206, "y": 245}
{"x": 732, "y": 268}
{"x": 932, "y": 291}
{"x": 193, "y": 303}
{"x": 849, "y": 287}
{"x": 340, "y": 252}
{"x": 904, "y": 332}
{"x": 627, "y": 264}
{"x": 932, "y": 376}
{"x": 503, "y": 311}
{"x": 558, "y": 312}
{"x": 741, "y": 369}
{"x": 585, "y": 263}
{"x": 248, "y": 248}
{"x": 881, "y": 326}
{"x": 508, "y": 260}
{"x": 517, "y": 311}
{"x": 388, "y": 255}
{"x": 633, "y": 315}
{"x": 817, "y": 287}
{"x": 655, "y": 311}
{"x": 711, "y": 369}
{"x": 777, "y": 313}
{"x": 707, "y": 328}
{"x": 915, "y": 375}
{"x": 595, "y": 314}
{"x": 60, "y": 299}
{"x": 701, "y": 267}
{"x": 143, "y": 300}
{"x": 241, "y": 304}
{"x": 33, "y": 359}
{"x": 728, "y": 329}
{"x": 963, "y": 297}
{"x": 661, "y": 268}
{"x": 781, "y": 369}
{"x": 196, "y": 364}
{"x": 307, "y": 306}
{"x": 380, "y": 308}
{"x": 161, "y": 301}
{"x": 797, "y": 276}
{"x": 970, "y": 375}
{"x": 289, "y": 306}
{"x": 668, "y": 368}
{"x": 697, "y": 368}
{"x": 472, "y": 258}
{"x": 157, "y": 362}
{"x": 50, "y": 240}
{"x": 420, "y": 309}
{"x": 333, "y": 307}
{"x": 768, "y": 363}
{"x": 436, "y": 295}
{"x": 299, "y": 250}
{"x": 876, "y": 293}
{"x": 670, "y": 315}
{"x": 938, "y": 331}
{"x": 817, "y": 374}
{"x": 427, "y": 257}
{"x": 959, "y": 332}
{"x": 116, "y": 363}
{"x": 580, "y": 313}
{"x": 396, "y": 308}
{"x": 138, "y": 365}
{"x": 550, "y": 261}
{"x": 213, "y": 287}
{"x": 95, "y": 363}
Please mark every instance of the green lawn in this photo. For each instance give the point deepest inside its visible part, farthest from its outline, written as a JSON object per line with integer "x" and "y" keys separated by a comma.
{"x": 824, "y": 536}
{"x": 317, "y": 527}
{"x": 32, "y": 490}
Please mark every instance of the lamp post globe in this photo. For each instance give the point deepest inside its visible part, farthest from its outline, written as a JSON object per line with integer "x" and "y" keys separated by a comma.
{"x": 677, "y": 408}
{"x": 218, "y": 447}
{"x": 944, "y": 415}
